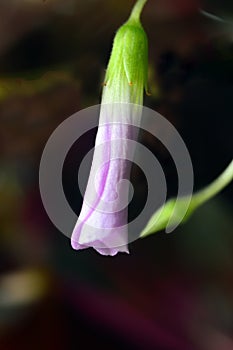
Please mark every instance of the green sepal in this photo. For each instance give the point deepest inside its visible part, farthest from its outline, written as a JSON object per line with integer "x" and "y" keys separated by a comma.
{"x": 129, "y": 57}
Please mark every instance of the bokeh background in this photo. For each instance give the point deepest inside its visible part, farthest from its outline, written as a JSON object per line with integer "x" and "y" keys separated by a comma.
{"x": 173, "y": 292}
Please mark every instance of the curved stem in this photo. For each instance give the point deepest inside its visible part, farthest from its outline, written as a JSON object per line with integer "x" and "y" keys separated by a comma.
{"x": 215, "y": 187}
{"x": 137, "y": 9}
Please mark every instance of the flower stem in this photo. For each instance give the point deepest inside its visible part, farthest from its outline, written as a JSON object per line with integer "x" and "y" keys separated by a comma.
{"x": 161, "y": 218}
{"x": 137, "y": 9}
{"x": 215, "y": 187}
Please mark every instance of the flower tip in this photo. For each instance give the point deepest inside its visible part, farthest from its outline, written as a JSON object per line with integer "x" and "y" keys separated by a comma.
{"x": 75, "y": 245}
{"x": 112, "y": 251}
{"x": 106, "y": 251}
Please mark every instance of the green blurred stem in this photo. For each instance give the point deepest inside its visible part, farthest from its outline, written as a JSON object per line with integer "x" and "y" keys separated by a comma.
{"x": 215, "y": 187}
{"x": 137, "y": 9}
{"x": 165, "y": 217}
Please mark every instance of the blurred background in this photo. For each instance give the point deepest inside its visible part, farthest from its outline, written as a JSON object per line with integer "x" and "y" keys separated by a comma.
{"x": 173, "y": 292}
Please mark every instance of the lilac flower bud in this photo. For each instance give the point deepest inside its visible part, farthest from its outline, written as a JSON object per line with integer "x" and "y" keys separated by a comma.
{"x": 102, "y": 223}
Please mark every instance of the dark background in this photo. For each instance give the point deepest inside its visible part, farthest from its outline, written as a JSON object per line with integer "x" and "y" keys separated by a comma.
{"x": 173, "y": 291}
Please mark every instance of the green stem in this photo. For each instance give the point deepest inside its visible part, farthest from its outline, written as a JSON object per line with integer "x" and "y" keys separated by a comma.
{"x": 137, "y": 9}
{"x": 215, "y": 187}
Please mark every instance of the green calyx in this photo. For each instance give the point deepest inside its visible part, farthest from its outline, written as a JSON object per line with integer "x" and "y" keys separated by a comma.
{"x": 129, "y": 57}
